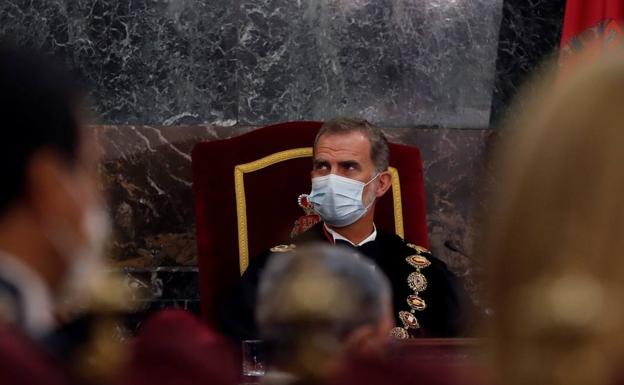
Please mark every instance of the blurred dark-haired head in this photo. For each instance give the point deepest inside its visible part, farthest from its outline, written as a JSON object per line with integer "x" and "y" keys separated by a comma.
{"x": 50, "y": 203}
{"x": 39, "y": 105}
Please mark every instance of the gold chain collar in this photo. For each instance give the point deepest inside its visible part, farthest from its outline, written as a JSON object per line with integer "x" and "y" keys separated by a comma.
{"x": 418, "y": 283}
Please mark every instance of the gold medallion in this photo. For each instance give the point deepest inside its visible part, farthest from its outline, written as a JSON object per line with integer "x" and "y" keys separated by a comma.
{"x": 409, "y": 320}
{"x": 283, "y": 248}
{"x": 416, "y": 303}
{"x": 399, "y": 333}
{"x": 418, "y": 261}
{"x": 417, "y": 282}
{"x": 419, "y": 249}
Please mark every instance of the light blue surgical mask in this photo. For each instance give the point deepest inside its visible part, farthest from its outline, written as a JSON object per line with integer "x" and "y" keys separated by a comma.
{"x": 339, "y": 200}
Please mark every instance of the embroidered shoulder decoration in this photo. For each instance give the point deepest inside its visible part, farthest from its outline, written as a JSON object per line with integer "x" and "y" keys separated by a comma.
{"x": 305, "y": 222}
{"x": 418, "y": 283}
{"x": 283, "y": 248}
{"x": 419, "y": 249}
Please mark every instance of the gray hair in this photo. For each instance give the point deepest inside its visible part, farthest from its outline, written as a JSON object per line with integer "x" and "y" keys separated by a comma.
{"x": 379, "y": 152}
{"x": 319, "y": 289}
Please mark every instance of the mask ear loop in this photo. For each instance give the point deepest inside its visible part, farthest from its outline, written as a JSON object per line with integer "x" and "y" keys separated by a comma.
{"x": 370, "y": 181}
{"x": 366, "y": 184}
{"x": 85, "y": 263}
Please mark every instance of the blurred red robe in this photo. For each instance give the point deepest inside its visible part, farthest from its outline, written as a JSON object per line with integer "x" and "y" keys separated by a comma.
{"x": 24, "y": 362}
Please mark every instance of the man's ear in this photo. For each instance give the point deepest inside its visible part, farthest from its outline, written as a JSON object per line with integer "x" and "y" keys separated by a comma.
{"x": 361, "y": 341}
{"x": 365, "y": 341}
{"x": 384, "y": 181}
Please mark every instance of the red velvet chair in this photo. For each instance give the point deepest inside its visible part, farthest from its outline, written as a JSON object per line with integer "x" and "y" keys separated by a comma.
{"x": 245, "y": 191}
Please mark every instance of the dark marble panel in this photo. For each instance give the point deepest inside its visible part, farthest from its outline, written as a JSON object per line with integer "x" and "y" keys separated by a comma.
{"x": 162, "y": 283}
{"x": 454, "y": 165}
{"x": 147, "y": 61}
{"x": 395, "y": 62}
{"x": 147, "y": 172}
{"x": 157, "y": 288}
{"x": 530, "y": 32}
{"x": 147, "y": 175}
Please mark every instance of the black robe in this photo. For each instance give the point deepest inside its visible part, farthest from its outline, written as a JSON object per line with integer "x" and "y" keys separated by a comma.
{"x": 445, "y": 314}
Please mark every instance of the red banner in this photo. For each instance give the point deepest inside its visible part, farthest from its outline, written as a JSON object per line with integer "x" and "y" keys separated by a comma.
{"x": 591, "y": 25}
{"x": 583, "y": 15}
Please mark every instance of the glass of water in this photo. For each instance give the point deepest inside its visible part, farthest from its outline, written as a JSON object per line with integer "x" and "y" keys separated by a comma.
{"x": 253, "y": 361}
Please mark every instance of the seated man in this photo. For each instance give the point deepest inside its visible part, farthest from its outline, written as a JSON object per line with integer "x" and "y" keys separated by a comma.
{"x": 349, "y": 174}
{"x": 318, "y": 307}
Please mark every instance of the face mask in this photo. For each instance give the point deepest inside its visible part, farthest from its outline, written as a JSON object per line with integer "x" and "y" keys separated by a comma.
{"x": 338, "y": 200}
{"x": 82, "y": 255}
{"x": 87, "y": 263}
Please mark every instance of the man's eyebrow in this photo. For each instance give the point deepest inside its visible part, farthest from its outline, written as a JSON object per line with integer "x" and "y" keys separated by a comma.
{"x": 347, "y": 163}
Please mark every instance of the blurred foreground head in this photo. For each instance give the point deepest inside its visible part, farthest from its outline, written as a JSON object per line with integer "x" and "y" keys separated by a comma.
{"x": 320, "y": 303}
{"x": 554, "y": 240}
{"x": 50, "y": 216}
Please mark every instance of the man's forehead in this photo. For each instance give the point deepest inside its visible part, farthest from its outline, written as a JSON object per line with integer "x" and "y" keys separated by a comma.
{"x": 351, "y": 145}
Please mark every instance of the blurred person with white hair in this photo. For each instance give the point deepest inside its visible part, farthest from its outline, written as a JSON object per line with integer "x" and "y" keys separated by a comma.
{"x": 317, "y": 306}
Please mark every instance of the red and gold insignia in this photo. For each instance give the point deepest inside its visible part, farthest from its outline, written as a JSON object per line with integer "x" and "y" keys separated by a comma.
{"x": 305, "y": 204}
{"x": 304, "y": 223}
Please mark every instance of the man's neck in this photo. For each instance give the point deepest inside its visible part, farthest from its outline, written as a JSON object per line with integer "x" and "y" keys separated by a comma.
{"x": 19, "y": 238}
{"x": 27, "y": 264}
{"x": 358, "y": 231}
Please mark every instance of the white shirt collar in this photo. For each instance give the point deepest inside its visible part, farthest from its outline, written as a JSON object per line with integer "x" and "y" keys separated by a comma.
{"x": 337, "y": 236}
{"x": 36, "y": 299}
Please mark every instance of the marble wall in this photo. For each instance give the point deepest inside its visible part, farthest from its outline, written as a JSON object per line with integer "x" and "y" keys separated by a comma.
{"x": 147, "y": 61}
{"x": 166, "y": 74}
{"x": 530, "y": 31}
{"x": 395, "y": 62}
{"x": 222, "y": 62}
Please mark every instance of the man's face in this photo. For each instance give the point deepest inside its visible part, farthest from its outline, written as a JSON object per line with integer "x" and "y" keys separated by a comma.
{"x": 65, "y": 192}
{"x": 85, "y": 176}
{"x": 346, "y": 155}
{"x": 61, "y": 197}
{"x": 81, "y": 183}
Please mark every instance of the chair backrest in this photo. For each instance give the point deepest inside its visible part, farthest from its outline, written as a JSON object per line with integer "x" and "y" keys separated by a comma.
{"x": 245, "y": 191}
